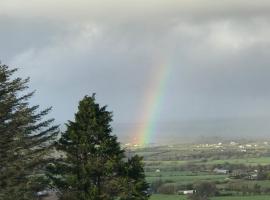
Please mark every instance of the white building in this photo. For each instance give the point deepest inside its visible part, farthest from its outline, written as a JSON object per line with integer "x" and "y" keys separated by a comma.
{"x": 221, "y": 171}
{"x": 186, "y": 192}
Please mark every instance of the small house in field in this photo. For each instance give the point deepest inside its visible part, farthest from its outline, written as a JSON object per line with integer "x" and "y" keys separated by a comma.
{"x": 221, "y": 171}
{"x": 253, "y": 177}
{"x": 186, "y": 192}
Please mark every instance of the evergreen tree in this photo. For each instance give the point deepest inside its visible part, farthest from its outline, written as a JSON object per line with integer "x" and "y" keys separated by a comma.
{"x": 136, "y": 187}
{"x": 25, "y": 139}
{"x": 93, "y": 165}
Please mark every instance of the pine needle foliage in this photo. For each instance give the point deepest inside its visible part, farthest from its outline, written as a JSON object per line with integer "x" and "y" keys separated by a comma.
{"x": 26, "y": 138}
{"x": 93, "y": 164}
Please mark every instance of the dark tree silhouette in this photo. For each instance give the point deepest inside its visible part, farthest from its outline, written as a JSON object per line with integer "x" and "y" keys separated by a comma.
{"x": 93, "y": 166}
{"x": 25, "y": 139}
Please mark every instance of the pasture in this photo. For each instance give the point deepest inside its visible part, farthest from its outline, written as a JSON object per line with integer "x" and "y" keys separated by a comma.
{"x": 174, "y": 168}
{"x": 180, "y": 197}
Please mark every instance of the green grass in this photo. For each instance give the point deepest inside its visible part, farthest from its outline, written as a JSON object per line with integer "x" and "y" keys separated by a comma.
{"x": 167, "y": 197}
{"x": 175, "y": 173}
{"x": 263, "y": 183}
{"x": 246, "y": 161}
{"x": 188, "y": 179}
{"x": 261, "y": 197}
{"x": 175, "y": 169}
{"x": 181, "y": 197}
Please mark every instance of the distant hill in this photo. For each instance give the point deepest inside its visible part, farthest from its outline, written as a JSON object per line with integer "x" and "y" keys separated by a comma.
{"x": 193, "y": 130}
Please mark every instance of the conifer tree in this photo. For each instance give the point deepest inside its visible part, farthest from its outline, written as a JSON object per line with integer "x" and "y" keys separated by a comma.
{"x": 135, "y": 186}
{"x": 93, "y": 166}
{"x": 25, "y": 139}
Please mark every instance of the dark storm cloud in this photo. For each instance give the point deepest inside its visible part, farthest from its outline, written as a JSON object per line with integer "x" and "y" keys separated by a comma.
{"x": 218, "y": 51}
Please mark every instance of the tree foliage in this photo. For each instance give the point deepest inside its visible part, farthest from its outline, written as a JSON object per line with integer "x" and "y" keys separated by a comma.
{"x": 93, "y": 166}
{"x": 25, "y": 138}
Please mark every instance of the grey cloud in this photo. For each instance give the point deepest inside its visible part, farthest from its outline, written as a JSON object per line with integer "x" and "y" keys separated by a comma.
{"x": 218, "y": 52}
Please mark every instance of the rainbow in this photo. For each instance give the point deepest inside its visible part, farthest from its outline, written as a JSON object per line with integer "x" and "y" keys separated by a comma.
{"x": 153, "y": 100}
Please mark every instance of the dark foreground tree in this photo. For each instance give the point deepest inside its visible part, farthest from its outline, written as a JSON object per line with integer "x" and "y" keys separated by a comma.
{"x": 136, "y": 187}
{"x": 93, "y": 166}
{"x": 25, "y": 139}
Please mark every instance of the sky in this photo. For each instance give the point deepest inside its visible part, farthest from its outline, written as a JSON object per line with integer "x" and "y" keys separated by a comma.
{"x": 217, "y": 54}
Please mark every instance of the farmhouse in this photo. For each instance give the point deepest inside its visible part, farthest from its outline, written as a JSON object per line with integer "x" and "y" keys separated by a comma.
{"x": 253, "y": 176}
{"x": 186, "y": 192}
{"x": 221, "y": 171}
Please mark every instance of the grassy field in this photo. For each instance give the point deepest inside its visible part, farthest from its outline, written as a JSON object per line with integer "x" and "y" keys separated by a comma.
{"x": 261, "y": 197}
{"x": 246, "y": 161}
{"x": 188, "y": 179}
{"x": 170, "y": 169}
{"x": 167, "y": 197}
{"x": 180, "y": 197}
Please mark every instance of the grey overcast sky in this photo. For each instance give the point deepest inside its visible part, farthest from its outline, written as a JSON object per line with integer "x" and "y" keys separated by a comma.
{"x": 218, "y": 52}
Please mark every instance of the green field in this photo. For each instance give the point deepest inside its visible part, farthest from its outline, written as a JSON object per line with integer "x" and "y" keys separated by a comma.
{"x": 180, "y": 197}
{"x": 167, "y": 197}
{"x": 246, "y": 161}
{"x": 188, "y": 179}
{"x": 171, "y": 169}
